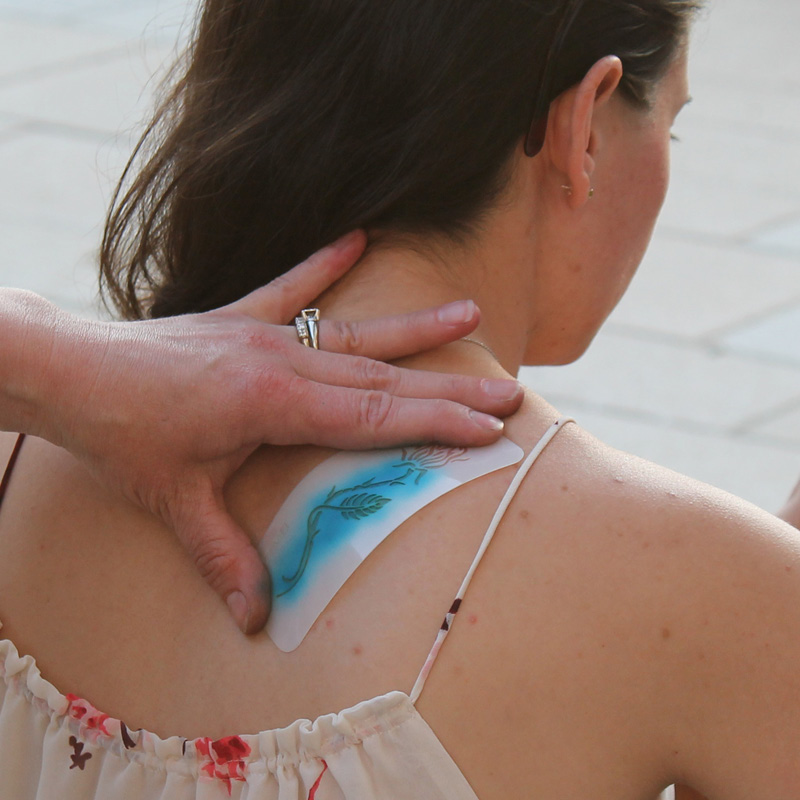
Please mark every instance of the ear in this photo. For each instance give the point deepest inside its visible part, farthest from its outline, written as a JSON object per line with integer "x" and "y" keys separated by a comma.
{"x": 570, "y": 123}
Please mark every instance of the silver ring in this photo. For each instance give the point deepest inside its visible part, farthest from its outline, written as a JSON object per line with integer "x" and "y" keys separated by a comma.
{"x": 307, "y": 325}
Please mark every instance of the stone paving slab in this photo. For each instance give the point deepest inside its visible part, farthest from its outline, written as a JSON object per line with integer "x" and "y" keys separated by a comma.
{"x": 783, "y": 427}
{"x": 776, "y": 337}
{"x": 756, "y": 468}
{"x": 781, "y": 238}
{"x": 68, "y": 189}
{"x": 669, "y": 383}
{"x": 33, "y": 48}
{"x": 114, "y": 92}
{"x": 697, "y": 290}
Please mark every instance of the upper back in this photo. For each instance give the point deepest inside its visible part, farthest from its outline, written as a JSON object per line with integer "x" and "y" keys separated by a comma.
{"x": 562, "y": 674}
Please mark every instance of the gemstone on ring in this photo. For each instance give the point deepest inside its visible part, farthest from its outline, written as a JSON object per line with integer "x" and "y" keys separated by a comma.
{"x": 307, "y": 325}
{"x": 302, "y": 330}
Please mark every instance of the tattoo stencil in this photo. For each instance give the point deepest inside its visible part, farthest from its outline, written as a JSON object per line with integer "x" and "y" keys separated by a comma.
{"x": 354, "y": 503}
{"x": 343, "y": 509}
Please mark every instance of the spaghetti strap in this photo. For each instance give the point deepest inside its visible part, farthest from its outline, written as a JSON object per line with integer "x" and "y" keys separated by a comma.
{"x": 10, "y": 466}
{"x": 487, "y": 539}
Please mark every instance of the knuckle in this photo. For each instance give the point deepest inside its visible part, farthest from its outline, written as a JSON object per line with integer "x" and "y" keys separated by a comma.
{"x": 296, "y": 391}
{"x": 299, "y": 412}
{"x": 256, "y": 337}
{"x": 282, "y": 293}
{"x": 375, "y": 374}
{"x": 280, "y": 287}
{"x": 214, "y": 562}
{"x": 265, "y": 382}
{"x": 446, "y": 411}
{"x": 191, "y": 517}
{"x": 257, "y": 368}
{"x": 376, "y": 410}
{"x": 349, "y": 336}
{"x": 458, "y": 386}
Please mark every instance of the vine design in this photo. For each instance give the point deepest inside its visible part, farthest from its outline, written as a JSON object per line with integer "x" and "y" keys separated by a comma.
{"x": 361, "y": 501}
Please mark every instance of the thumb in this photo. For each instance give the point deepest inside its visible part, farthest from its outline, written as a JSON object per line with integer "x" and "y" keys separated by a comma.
{"x": 228, "y": 562}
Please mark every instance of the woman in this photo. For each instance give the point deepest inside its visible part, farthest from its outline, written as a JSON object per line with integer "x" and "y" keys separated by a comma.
{"x": 625, "y": 628}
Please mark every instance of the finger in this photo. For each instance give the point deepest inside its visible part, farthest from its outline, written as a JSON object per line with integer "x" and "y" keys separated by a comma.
{"x": 492, "y": 396}
{"x": 227, "y": 560}
{"x": 388, "y": 338}
{"x": 357, "y": 419}
{"x": 280, "y": 301}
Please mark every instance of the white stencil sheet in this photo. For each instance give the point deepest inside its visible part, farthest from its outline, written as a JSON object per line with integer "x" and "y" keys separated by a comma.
{"x": 343, "y": 509}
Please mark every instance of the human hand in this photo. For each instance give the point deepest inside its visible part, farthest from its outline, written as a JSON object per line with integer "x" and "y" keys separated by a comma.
{"x": 165, "y": 411}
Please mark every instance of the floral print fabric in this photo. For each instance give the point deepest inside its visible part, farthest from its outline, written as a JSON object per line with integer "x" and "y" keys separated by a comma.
{"x": 60, "y": 747}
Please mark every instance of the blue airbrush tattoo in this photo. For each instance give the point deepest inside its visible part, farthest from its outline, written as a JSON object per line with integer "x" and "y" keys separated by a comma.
{"x": 343, "y": 509}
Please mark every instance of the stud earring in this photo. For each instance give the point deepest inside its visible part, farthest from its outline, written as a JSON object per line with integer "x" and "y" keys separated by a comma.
{"x": 568, "y": 190}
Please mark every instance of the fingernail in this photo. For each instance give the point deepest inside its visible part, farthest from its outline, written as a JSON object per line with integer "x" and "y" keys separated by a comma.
{"x": 456, "y": 313}
{"x": 345, "y": 241}
{"x": 238, "y": 607}
{"x": 487, "y": 422}
{"x": 501, "y": 389}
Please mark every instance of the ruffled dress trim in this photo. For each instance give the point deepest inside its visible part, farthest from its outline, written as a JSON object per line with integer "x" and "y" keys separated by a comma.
{"x": 227, "y": 761}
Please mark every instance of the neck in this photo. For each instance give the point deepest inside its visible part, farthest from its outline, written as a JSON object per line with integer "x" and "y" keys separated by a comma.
{"x": 400, "y": 279}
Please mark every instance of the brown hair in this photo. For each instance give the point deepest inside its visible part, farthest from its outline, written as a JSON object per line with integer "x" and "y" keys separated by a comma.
{"x": 295, "y": 121}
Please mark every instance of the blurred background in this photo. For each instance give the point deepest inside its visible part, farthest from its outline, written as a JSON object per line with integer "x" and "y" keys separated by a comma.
{"x": 697, "y": 369}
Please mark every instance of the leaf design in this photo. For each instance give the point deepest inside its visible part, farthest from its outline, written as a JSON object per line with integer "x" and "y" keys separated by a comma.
{"x": 360, "y": 506}
{"x": 432, "y": 456}
{"x": 354, "y": 507}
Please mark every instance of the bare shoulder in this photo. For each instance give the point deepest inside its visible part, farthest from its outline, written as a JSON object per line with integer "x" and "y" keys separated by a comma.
{"x": 674, "y": 600}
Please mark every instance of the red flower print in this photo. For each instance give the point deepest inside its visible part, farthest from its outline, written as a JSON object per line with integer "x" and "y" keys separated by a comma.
{"x": 231, "y": 748}
{"x": 84, "y": 711}
{"x": 224, "y": 758}
{"x": 313, "y": 793}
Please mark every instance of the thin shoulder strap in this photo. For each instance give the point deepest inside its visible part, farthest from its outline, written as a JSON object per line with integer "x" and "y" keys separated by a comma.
{"x": 10, "y": 466}
{"x": 487, "y": 539}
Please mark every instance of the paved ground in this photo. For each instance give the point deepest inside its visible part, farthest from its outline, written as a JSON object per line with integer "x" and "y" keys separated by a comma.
{"x": 699, "y": 367}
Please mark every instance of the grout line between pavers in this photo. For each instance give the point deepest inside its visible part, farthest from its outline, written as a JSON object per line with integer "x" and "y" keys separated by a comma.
{"x": 629, "y": 414}
{"x": 15, "y": 15}
{"x": 691, "y": 236}
{"x": 702, "y": 344}
{"x": 27, "y": 126}
{"x": 97, "y": 58}
{"x": 748, "y": 320}
{"x": 776, "y": 222}
{"x": 746, "y": 426}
